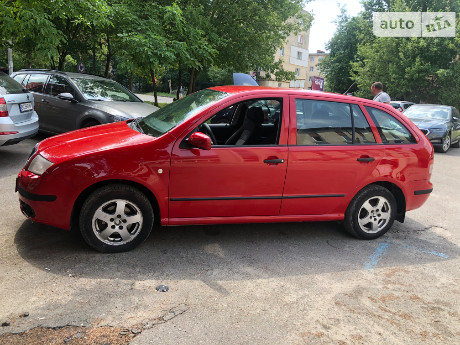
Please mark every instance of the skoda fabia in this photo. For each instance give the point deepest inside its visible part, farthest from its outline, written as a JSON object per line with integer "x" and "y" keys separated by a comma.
{"x": 282, "y": 155}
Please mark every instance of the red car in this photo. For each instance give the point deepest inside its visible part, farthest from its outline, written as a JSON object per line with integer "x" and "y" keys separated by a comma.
{"x": 284, "y": 156}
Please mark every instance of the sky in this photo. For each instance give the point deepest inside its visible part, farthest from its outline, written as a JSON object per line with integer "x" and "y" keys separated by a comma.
{"x": 325, "y": 13}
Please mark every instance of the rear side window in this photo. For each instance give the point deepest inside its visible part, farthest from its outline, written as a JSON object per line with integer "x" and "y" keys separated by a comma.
{"x": 391, "y": 130}
{"x": 8, "y": 85}
{"x": 331, "y": 123}
{"x": 36, "y": 82}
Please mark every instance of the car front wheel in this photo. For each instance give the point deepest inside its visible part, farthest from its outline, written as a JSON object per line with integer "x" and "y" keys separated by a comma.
{"x": 371, "y": 213}
{"x": 446, "y": 141}
{"x": 116, "y": 218}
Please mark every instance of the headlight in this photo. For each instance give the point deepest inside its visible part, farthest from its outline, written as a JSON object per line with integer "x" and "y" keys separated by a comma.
{"x": 437, "y": 130}
{"x": 118, "y": 118}
{"x": 39, "y": 165}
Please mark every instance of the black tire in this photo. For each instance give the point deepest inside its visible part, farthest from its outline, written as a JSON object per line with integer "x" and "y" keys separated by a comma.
{"x": 446, "y": 143}
{"x": 90, "y": 123}
{"x": 116, "y": 218}
{"x": 374, "y": 204}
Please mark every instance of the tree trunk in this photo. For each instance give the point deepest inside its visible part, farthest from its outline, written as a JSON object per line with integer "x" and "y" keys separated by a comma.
{"x": 108, "y": 58}
{"x": 152, "y": 73}
{"x": 61, "y": 60}
{"x": 179, "y": 82}
{"x": 193, "y": 77}
{"x": 131, "y": 77}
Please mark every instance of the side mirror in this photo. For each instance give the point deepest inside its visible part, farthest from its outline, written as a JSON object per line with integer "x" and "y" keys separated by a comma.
{"x": 200, "y": 140}
{"x": 67, "y": 96}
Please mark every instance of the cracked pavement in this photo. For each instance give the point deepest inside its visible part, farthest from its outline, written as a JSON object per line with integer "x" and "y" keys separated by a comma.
{"x": 290, "y": 283}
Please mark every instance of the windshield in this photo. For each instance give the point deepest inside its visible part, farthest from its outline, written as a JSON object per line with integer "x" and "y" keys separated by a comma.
{"x": 8, "y": 85}
{"x": 428, "y": 112}
{"x": 165, "y": 119}
{"x": 103, "y": 90}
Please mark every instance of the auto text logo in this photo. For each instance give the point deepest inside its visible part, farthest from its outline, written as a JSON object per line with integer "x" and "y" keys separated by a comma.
{"x": 414, "y": 24}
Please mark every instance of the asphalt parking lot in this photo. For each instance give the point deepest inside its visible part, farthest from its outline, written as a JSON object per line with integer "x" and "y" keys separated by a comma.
{"x": 296, "y": 283}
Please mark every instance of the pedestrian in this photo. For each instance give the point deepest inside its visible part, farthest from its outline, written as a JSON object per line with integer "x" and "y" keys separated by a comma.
{"x": 181, "y": 90}
{"x": 379, "y": 94}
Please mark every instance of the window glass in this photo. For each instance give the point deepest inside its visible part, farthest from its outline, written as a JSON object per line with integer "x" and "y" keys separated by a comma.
{"x": 8, "y": 85}
{"x": 323, "y": 123}
{"x": 36, "y": 82}
{"x": 253, "y": 122}
{"x": 390, "y": 129}
{"x": 363, "y": 132}
{"x": 57, "y": 85}
{"x": 19, "y": 78}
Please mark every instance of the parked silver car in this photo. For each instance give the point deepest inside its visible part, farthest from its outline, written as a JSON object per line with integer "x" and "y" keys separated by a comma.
{"x": 18, "y": 119}
{"x": 68, "y": 101}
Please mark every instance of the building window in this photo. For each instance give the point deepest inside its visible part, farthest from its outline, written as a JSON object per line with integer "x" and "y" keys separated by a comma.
{"x": 279, "y": 84}
{"x": 312, "y": 58}
{"x": 282, "y": 51}
{"x": 299, "y": 55}
{"x": 311, "y": 69}
{"x": 320, "y": 58}
{"x": 310, "y": 79}
{"x": 300, "y": 39}
{"x": 297, "y": 72}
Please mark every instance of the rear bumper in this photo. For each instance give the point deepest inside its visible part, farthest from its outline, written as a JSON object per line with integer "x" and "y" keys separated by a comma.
{"x": 26, "y": 129}
{"x": 417, "y": 192}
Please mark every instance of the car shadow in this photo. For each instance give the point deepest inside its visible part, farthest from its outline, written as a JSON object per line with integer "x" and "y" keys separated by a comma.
{"x": 234, "y": 252}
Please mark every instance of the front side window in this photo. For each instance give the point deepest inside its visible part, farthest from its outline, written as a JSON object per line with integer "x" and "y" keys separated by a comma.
{"x": 331, "y": 123}
{"x": 253, "y": 122}
{"x": 57, "y": 85}
{"x": 165, "y": 119}
{"x": 103, "y": 90}
{"x": 390, "y": 129}
{"x": 36, "y": 82}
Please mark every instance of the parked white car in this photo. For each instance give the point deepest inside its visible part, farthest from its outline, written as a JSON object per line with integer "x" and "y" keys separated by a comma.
{"x": 18, "y": 119}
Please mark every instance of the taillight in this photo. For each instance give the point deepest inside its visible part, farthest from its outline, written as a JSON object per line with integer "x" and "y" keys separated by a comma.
{"x": 8, "y": 133}
{"x": 3, "y": 108}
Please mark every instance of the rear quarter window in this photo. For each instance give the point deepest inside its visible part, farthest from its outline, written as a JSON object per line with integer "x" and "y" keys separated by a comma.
{"x": 391, "y": 130}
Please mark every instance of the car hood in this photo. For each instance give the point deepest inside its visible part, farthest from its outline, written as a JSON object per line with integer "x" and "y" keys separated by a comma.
{"x": 429, "y": 123}
{"x": 89, "y": 140}
{"x": 126, "y": 109}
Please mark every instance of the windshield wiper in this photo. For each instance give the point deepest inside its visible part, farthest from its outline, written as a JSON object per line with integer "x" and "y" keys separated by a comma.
{"x": 136, "y": 124}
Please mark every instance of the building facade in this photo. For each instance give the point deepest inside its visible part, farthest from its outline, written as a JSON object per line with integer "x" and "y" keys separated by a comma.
{"x": 294, "y": 56}
{"x": 313, "y": 69}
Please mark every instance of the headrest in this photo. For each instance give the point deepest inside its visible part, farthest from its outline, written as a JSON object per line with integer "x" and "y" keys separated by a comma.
{"x": 255, "y": 114}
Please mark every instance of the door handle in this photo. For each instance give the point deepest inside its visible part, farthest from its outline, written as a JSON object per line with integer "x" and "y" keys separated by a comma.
{"x": 366, "y": 159}
{"x": 274, "y": 161}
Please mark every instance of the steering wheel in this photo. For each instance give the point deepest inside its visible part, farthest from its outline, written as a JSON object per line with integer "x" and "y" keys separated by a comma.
{"x": 204, "y": 127}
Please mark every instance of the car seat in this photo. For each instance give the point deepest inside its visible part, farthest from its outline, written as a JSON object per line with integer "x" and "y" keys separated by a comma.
{"x": 252, "y": 125}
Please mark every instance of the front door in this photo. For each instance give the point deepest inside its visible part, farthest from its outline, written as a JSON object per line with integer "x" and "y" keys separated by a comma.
{"x": 237, "y": 177}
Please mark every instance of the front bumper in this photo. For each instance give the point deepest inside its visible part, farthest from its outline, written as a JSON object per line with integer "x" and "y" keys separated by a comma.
{"x": 46, "y": 199}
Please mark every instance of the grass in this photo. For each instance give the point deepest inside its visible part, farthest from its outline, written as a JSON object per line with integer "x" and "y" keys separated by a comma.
{"x": 160, "y": 105}
{"x": 163, "y": 94}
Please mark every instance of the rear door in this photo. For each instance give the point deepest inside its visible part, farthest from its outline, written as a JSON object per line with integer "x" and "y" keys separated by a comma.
{"x": 327, "y": 159}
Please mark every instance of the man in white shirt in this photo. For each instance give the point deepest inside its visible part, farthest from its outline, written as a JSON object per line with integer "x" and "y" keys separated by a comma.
{"x": 379, "y": 94}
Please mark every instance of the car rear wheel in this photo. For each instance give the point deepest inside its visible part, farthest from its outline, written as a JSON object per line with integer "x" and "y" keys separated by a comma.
{"x": 371, "y": 213}
{"x": 116, "y": 218}
{"x": 446, "y": 142}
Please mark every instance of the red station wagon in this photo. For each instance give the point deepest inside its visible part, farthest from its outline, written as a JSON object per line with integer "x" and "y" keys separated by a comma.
{"x": 278, "y": 155}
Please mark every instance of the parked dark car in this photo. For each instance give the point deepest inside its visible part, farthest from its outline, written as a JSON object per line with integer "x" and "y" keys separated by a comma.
{"x": 440, "y": 123}
{"x": 68, "y": 101}
{"x": 401, "y": 105}
{"x": 18, "y": 120}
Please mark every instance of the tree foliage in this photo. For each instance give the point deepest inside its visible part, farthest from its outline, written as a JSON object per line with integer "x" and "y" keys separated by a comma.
{"x": 413, "y": 69}
{"x": 146, "y": 38}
